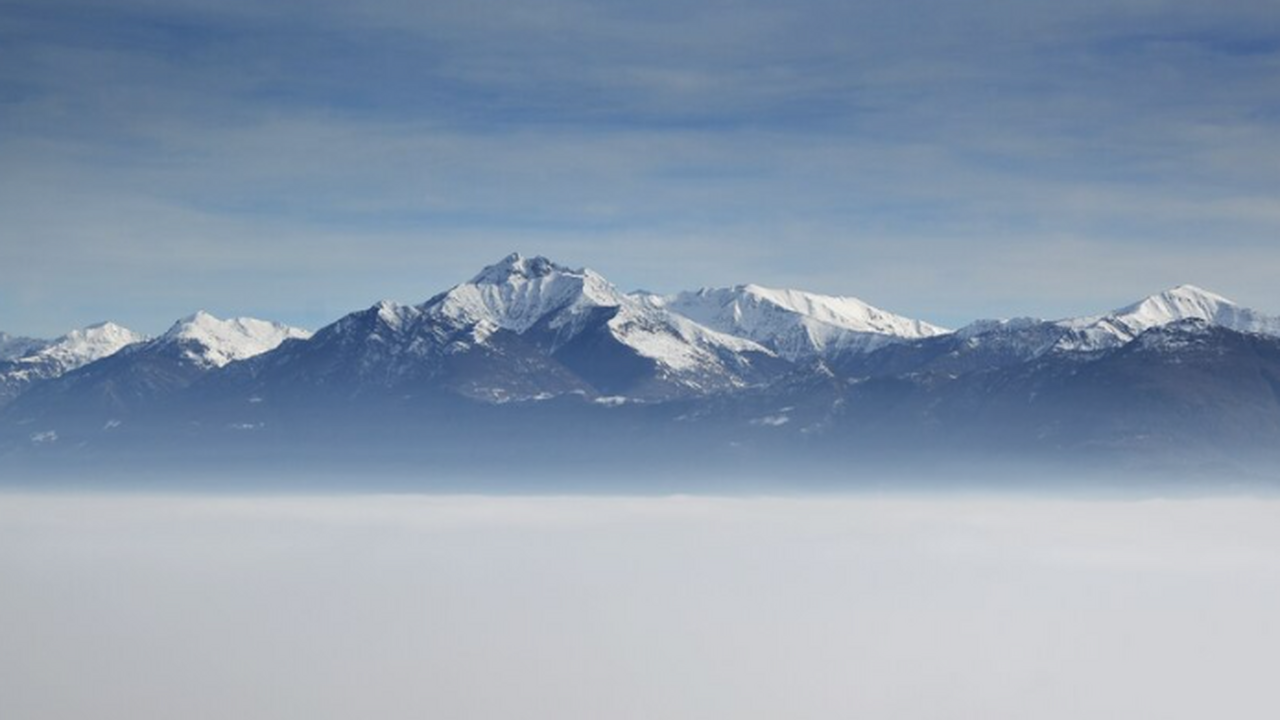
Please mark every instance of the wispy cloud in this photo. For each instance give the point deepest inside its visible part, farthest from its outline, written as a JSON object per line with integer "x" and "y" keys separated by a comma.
{"x": 299, "y": 159}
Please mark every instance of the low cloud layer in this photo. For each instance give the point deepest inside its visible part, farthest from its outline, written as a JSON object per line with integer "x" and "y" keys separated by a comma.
{"x": 253, "y": 607}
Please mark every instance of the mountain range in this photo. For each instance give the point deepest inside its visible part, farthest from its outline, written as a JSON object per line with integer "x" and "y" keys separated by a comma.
{"x": 535, "y": 368}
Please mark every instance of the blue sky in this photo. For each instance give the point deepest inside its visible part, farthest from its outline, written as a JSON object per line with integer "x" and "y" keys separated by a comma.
{"x": 947, "y": 160}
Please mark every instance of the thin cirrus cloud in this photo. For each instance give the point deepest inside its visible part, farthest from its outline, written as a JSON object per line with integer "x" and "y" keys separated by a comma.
{"x": 947, "y": 161}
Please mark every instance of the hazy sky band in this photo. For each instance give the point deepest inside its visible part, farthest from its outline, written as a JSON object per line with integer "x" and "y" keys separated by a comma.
{"x": 942, "y": 160}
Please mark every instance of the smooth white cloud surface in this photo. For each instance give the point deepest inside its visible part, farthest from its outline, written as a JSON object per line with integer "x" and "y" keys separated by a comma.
{"x": 562, "y": 608}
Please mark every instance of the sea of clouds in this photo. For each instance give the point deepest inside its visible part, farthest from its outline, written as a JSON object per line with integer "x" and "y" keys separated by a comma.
{"x": 138, "y": 606}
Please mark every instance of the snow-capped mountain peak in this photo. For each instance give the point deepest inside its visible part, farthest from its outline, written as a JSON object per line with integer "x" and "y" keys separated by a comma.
{"x": 81, "y": 347}
{"x": 71, "y": 351}
{"x": 794, "y": 323}
{"x": 1184, "y": 302}
{"x": 519, "y": 292}
{"x": 210, "y": 341}
{"x": 516, "y": 265}
{"x": 524, "y": 321}
{"x": 97, "y": 341}
{"x": 553, "y": 305}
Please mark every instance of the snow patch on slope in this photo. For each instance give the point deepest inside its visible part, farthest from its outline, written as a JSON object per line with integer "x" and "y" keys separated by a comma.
{"x": 982, "y": 327}
{"x": 675, "y": 341}
{"x": 793, "y": 323}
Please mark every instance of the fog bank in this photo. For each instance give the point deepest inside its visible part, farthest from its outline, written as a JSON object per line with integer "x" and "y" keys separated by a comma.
{"x": 138, "y": 607}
